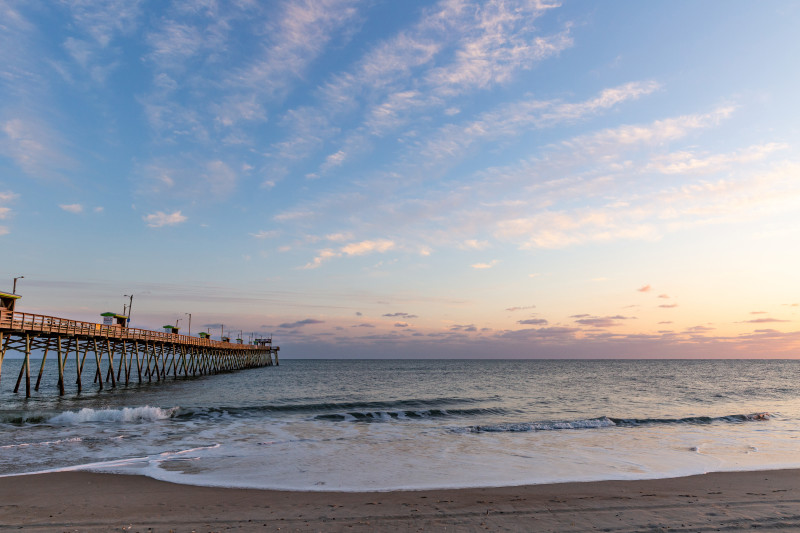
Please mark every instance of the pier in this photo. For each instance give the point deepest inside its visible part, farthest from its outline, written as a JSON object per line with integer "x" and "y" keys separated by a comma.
{"x": 124, "y": 354}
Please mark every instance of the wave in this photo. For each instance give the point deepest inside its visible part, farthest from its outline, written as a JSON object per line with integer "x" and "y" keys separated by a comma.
{"x": 42, "y": 443}
{"x": 124, "y": 415}
{"x": 607, "y": 422}
{"x": 339, "y": 410}
{"x": 378, "y": 416}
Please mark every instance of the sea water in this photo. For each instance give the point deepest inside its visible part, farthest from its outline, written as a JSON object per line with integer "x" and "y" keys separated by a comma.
{"x": 412, "y": 424}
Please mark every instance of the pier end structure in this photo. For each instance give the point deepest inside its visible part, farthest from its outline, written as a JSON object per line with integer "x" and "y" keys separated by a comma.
{"x": 129, "y": 354}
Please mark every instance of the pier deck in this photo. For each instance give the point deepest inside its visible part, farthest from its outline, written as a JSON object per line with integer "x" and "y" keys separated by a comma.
{"x": 156, "y": 354}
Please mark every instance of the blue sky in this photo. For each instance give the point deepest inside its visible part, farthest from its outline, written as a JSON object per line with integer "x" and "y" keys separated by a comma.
{"x": 410, "y": 179}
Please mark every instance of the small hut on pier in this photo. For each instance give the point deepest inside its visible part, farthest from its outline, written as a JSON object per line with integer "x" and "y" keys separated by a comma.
{"x": 7, "y": 302}
{"x": 114, "y": 319}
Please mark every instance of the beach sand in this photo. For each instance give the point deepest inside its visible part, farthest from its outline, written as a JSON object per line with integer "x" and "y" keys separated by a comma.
{"x": 82, "y": 501}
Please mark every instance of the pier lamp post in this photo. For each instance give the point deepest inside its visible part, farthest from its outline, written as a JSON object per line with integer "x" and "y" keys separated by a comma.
{"x": 130, "y": 306}
{"x": 14, "y": 290}
{"x": 190, "y": 323}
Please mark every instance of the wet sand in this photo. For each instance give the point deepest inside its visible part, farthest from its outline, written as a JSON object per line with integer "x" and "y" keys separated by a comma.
{"x": 82, "y": 501}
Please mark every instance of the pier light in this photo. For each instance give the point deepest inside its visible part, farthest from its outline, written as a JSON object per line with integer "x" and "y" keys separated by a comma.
{"x": 130, "y": 305}
{"x": 14, "y": 289}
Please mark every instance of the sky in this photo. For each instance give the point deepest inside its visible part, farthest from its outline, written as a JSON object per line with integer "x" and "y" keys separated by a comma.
{"x": 477, "y": 179}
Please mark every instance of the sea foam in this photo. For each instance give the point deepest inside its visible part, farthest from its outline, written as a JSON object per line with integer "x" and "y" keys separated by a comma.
{"x": 124, "y": 415}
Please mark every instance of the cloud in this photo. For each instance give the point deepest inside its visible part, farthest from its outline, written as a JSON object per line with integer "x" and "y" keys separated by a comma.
{"x": 521, "y": 308}
{"x": 322, "y": 256}
{"x": 104, "y": 20}
{"x": 400, "y": 315}
{"x": 514, "y": 119}
{"x": 482, "y": 266}
{"x": 533, "y": 322}
{"x": 264, "y": 234}
{"x": 365, "y": 247}
{"x": 34, "y": 147}
{"x": 300, "y": 323}
{"x": 339, "y": 237}
{"x": 72, "y": 208}
{"x": 159, "y": 219}
{"x": 600, "y": 322}
{"x": 5, "y": 212}
{"x": 668, "y": 306}
{"x": 685, "y": 162}
{"x": 353, "y": 249}
{"x": 646, "y": 288}
{"x": 763, "y": 321}
{"x": 474, "y": 244}
{"x": 401, "y": 324}
{"x": 455, "y": 48}
{"x": 468, "y": 328}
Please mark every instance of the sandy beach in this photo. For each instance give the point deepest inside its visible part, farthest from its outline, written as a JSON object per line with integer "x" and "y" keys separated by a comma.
{"x": 81, "y": 501}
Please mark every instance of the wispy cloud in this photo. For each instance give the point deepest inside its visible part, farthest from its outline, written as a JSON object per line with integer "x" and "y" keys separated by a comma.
{"x": 685, "y": 162}
{"x": 533, "y": 322}
{"x": 352, "y": 249}
{"x": 764, "y": 321}
{"x": 5, "y": 212}
{"x": 514, "y": 119}
{"x": 72, "y": 208}
{"x": 301, "y": 323}
{"x": 600, "y": 321}
{"x": 520, "y": 308}
{"x": 159, "y": 219}
{"x": 365, "y": 247}
{"x": 34, "y": 147}
{"x": 405, "y": 316}
{"x": 454, "y": 48}
{"x": 484, "y": 266}
{"x": 265, "y": 234}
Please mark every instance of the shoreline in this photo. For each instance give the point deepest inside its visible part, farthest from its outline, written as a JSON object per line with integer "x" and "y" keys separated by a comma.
{"x": 86, "y": 501}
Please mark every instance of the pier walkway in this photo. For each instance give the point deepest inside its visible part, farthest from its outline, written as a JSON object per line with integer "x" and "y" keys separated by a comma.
{"x": 127, "y": 353}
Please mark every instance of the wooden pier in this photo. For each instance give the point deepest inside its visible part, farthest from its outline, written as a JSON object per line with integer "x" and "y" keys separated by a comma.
{"x": 126, "y": 354}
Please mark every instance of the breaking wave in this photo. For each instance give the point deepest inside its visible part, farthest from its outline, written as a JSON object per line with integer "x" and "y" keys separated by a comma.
{"x": 607, "y": 422}
{"x": 124, "y": 415}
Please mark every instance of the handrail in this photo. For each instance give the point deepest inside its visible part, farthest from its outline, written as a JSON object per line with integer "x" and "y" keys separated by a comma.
{"x": 20, "y": 321}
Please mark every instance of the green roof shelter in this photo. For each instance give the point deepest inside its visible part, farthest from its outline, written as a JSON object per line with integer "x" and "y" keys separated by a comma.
{"x": 7, "y": 302}
{"x": 169, "y": 328}
{"x": 114, "y": 319}
{"x": 204, "y": 335}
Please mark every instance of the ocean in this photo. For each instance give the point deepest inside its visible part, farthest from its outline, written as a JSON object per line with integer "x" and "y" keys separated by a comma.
{"x": 357, "y": 425}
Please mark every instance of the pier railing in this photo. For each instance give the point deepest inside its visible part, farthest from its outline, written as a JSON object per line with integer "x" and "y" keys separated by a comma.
{"x": 49, "y": 325}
